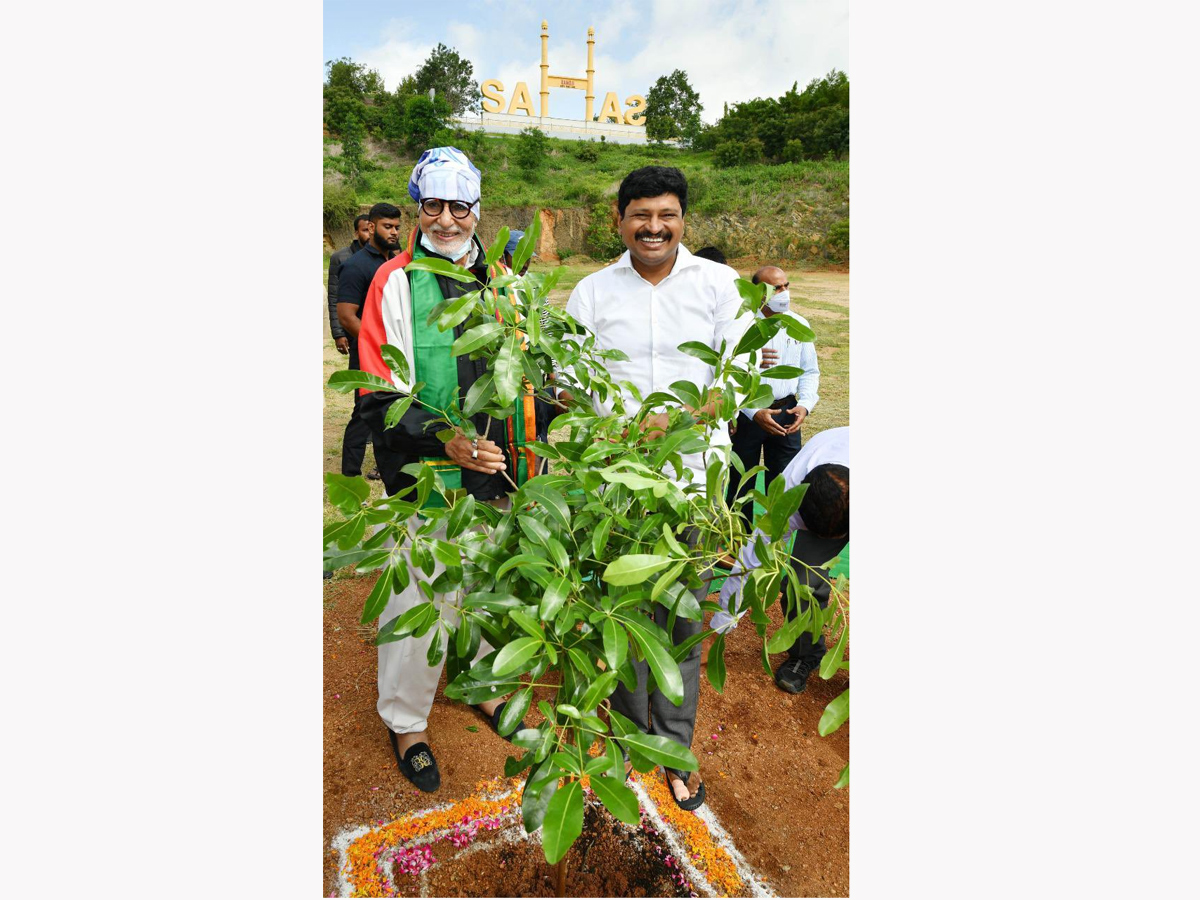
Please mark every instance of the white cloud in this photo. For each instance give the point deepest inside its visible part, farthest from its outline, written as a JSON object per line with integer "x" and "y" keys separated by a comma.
{"x": 395, "y": 58}
{"x": 740, "y": 50}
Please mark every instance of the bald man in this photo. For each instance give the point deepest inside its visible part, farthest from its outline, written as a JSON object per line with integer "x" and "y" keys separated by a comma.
{"x": 773, "y": 433}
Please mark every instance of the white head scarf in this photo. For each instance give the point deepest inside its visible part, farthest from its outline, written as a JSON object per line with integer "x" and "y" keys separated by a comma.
{"x": 447, "y": 174}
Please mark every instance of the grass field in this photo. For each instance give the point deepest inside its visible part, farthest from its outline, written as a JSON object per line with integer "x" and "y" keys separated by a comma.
{"x": 823, "y": 298}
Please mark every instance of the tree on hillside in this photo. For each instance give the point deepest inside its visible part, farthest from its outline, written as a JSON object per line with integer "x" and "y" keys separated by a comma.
{"x": 349, "y": 88}
{"x": 450, "y": 77}
{"x": 353, "y": 135}
{"x": 423, "y": 118}
{"x": 673, "y": 109}
{"x": 531, "y": 148}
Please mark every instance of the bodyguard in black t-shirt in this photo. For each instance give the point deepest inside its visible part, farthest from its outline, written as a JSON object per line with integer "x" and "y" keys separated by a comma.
{"x": 353, "y": 281}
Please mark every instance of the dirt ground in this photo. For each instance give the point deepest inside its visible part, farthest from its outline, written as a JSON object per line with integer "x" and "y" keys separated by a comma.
{"x": 769, "y": 774}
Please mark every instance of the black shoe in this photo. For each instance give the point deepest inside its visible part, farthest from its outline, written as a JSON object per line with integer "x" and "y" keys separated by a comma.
{"x": 792, "y": 676}
{"x": 373, "y": 475}
{"x": 417, "y": 765}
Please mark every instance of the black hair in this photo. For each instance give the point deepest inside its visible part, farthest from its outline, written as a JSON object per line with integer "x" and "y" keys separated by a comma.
{"x": 712, "y": 253}
{"x": 825, "y": 508}
{"x": 383, "y": 211}
{"x": 652, "y": 181}
{"x": 361, "y": 218}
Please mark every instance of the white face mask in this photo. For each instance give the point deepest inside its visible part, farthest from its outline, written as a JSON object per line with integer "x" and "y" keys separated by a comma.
{"x": 780, "y": 302}
{"x": 454, "y": 253}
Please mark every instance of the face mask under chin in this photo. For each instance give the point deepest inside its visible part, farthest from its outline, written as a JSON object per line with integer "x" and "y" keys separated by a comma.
{"x": 455, "y": 253}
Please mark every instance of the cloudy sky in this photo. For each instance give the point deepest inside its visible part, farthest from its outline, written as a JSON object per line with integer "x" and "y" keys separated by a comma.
{"x": 732, "y": 50}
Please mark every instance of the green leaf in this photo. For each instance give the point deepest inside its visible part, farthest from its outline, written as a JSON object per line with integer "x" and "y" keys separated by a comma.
{"x": 496, "y": 251}
{"x": 665, "y": 669}
{"x": 406, "y": 623}
{"x": 701, "y": 351}
{"x": 634, "y": 568}
{"x": 661, "y": 750}
{"x": 786, "y": 635}
{"x": 528, "y": 624}
{"x": 616, "y": 644}
{"x": 440, "y": 267}
{"x": 348, "y": 493}
{"x": 458, "y": 311}
{"x": 514, "y": 710}
{"x": 475, "y": 338}
{"x": 833, "y": 659}
{"x": 396, "y": 411}
{"x": 460, "y": 516}
{"x": 629, "y": 479}
{"x": 379, "y": 596}
{"x": 599, "y": 690}
{"x": 716, "y": 663}
{"x": 844, "y": 778}
{"x": 667, "y": 578}
{"x": 348, "y": 380}
{"x": 492, "y": 602}
{"x": 837, "y": 712}
{"x": 553, "y": 502}
{"x": 540, "y": 790}
{"x": 559, "y": 552}
{"x": 564, "y": 818}
{"x": 688, "y": 393}
{"x": 526, "y": 245}
{"x": 797, "y": 331}
{"x": 514, "y": 655}
{"x": 552, "y": 600}
{"x": 755, "y": 337}
{"x": 534, "y": 529}
{"x": 522, "y": 559}
{"x": 781, "y": 372}
{"x": 507, "y": 370}
{"x": 396, "y": 361}
{"x": 473, "y": 729}
{"x": 600, "y": 537}
{"x": 617, "y": 798}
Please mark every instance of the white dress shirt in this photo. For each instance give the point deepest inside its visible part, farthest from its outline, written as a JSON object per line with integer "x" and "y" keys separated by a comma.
{"x": 792, "y": 352}
{"x": 697, "y": 301}
{"x": 830, "y": 446}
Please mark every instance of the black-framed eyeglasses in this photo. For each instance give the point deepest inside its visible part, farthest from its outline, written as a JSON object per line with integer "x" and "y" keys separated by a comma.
{"x": 433, "y": 207}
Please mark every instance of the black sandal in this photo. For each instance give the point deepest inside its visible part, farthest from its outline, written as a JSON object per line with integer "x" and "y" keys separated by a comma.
{"x": 494, "y": 719}
{"x": 691, "y": 803}
{"x": 417, "y": 765}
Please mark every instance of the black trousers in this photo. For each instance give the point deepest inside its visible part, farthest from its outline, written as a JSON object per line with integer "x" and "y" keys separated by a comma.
{"x": 813, "y": 550}
{"x": 750, "y": 442}
{"x": 358, "y": 434}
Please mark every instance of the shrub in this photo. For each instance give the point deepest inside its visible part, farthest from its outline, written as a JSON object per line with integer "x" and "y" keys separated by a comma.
{"x": 839, "y": 235}
{"x": 587, "y": 151}
{"x": 353, "y": 135}
{"x": 339, "y": 202}
{"x": 793, "y": 151}
{"x": 602, "y": 240}
{"x": 738, "y": 153}
{"x": 531, "y": 149}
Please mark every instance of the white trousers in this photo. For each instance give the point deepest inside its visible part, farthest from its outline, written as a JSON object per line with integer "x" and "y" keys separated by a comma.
{"x": 407, "y": 683}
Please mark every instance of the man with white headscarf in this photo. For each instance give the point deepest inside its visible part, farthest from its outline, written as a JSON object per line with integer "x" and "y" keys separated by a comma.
{"x": 446, "y": 188}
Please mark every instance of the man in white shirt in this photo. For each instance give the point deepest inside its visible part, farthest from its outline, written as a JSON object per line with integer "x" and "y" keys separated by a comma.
{"x": 656, "y": 297}
{"x": 822, "y": 527}
{"x": 774, "y": 431}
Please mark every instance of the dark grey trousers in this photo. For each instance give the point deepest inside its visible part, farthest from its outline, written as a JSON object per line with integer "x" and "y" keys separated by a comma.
{"x": 813, "y": 550}
{"x": 652, "y": 712}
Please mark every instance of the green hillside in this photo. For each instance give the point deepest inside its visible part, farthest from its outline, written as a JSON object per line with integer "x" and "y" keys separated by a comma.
{"x": 803, "y": 206}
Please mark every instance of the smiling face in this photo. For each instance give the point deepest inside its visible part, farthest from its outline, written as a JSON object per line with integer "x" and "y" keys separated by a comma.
{"x": 446, "y": 232}
{"x": 652, "y": 228}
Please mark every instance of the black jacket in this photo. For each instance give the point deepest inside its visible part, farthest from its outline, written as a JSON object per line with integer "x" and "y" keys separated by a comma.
{"x": 335, "y": 265}
{"x": 410, "y": 439}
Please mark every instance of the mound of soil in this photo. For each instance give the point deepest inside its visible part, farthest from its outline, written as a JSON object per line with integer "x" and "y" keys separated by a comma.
{"x": 608, "y": 860}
